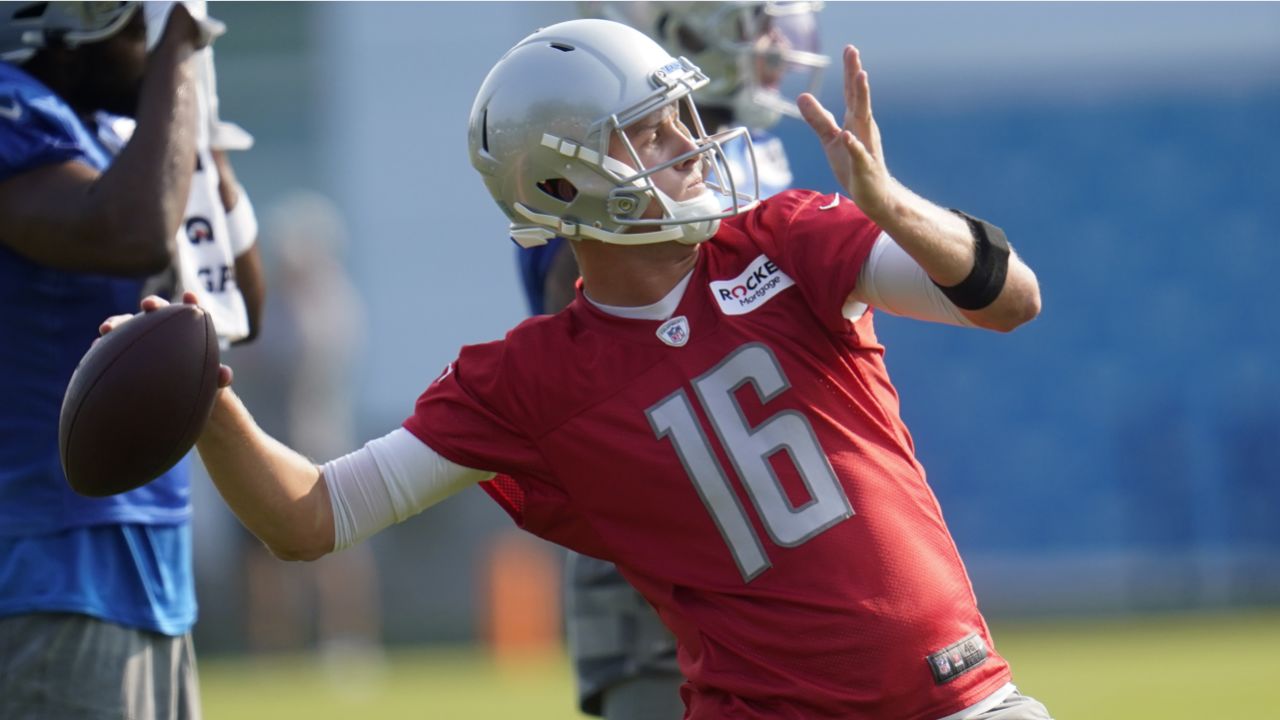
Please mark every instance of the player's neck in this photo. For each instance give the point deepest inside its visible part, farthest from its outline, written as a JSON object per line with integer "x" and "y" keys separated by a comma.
{"x": 632, "y": 276}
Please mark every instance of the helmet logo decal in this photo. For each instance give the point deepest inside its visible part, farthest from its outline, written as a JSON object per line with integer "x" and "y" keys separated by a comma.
{"x": 674, "y": 332}
{"x": 662, "y": 77}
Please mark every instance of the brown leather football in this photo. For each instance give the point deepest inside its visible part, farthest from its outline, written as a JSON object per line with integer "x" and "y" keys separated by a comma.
{"x": 138, "y": 400}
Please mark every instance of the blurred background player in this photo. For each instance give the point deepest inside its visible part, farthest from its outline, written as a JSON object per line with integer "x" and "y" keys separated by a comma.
{"x": 759, "y": 56}
{"x": 97, "y": 595}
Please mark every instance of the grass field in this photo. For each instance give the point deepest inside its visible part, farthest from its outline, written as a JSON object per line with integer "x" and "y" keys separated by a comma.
{"x": 1177, "y": 667}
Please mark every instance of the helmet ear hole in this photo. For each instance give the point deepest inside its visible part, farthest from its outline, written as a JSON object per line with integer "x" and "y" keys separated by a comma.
{"x": 558, "y": 188}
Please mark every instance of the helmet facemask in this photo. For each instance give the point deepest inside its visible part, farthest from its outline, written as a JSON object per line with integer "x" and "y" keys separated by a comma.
{"x": 696, "y": 219}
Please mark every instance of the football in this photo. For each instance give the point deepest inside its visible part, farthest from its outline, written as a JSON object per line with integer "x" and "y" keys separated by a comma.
{"x": 138, "y": 400}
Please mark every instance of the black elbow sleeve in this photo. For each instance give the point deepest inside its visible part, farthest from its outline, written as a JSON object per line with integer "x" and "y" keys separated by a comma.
{"x": 990, "y": 267}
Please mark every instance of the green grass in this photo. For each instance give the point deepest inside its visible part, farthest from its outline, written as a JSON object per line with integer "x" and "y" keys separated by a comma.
{"x": 1176, "y": 667}
{"x": 1181, "y": 667}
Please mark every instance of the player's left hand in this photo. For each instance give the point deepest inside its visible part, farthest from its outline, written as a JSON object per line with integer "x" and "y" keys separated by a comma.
{"x": 854, "y": 148}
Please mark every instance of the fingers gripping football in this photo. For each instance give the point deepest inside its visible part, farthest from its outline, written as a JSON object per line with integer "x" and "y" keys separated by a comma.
{"x": 150, "y": 304}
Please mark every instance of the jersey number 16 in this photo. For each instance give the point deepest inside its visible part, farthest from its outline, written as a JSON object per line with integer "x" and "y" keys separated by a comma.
{"x": 749, "y": 449}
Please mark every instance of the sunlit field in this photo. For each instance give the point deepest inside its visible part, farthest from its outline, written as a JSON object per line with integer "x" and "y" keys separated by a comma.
{"x": 1177, "y": 667}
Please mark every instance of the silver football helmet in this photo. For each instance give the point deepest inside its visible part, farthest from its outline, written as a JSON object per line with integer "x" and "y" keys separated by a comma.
{"x": 546, "y": 114}
{"x": 760, "y": 56}
{"x": 25, "y": 27}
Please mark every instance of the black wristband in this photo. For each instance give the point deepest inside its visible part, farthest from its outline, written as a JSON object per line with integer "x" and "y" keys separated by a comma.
{"x": 990, "y": 267}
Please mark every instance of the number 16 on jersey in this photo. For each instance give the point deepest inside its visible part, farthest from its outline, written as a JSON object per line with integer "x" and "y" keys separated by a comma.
{"x": 749, "y": 449}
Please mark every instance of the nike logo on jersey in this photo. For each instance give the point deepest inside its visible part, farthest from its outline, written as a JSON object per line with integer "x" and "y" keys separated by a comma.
{"x": 11, "y": 110}
{"x": 835, "y": 202}
{"x": 447, "y": 372}
{"x": 757, "y": 285}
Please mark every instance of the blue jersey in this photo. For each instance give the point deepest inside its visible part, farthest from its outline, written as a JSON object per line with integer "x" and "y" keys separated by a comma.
{"x": 772, "y": 170}
{"x": 124, "y": 558}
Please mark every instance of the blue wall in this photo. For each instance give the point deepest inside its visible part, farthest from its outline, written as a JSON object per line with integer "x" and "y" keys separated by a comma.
{"x": 1140, "y": 414}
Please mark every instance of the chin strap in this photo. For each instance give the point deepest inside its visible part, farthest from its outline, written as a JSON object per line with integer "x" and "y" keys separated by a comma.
{"x": 547, "y": 226}
{"x": 691, "y": 233}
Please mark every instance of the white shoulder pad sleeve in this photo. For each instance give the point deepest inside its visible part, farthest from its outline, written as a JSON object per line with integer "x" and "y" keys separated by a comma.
{"x": 894, "y": 282}
{"x": 387, "y": 481}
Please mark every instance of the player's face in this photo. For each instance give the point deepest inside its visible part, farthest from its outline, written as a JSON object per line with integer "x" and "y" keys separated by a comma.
{"x": 112, "y": 78}
{"x": 769, "y": 49}
{"x": 656, "y": 139}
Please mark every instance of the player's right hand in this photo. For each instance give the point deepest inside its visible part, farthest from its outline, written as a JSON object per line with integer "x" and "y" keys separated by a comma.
{"x": 152, "y": 303}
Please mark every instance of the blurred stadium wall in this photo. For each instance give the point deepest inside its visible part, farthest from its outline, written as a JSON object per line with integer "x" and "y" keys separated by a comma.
{"x": 1122, "y": 453}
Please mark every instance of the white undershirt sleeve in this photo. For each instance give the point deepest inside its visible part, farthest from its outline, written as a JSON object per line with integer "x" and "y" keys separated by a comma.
{"x": 387, "y": 481}
{"x": 893, "y": 281}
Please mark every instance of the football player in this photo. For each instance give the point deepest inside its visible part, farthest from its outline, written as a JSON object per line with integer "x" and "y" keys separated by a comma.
{"x": 712, "y": 412}
{"x": 759, "y": 57}
{"x": 97, "y": 595}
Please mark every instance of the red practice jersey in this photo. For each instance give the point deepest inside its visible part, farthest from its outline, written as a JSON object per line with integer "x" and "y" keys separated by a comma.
{"x": 745, "y": 466}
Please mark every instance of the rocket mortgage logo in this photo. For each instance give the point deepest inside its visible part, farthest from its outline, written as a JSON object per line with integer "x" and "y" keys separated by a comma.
{"x": 757, "y": 285}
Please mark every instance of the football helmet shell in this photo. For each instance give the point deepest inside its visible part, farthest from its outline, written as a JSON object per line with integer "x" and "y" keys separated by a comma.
{"x": 25, "y": 27}
{"x": 759, "y": 56}
{"x": 547, "y": 112}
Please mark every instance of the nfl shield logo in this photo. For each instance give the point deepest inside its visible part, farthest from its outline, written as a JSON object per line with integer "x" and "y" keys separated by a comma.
{"x": 674, "y": 332}
{"x": 944, "y": 666}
